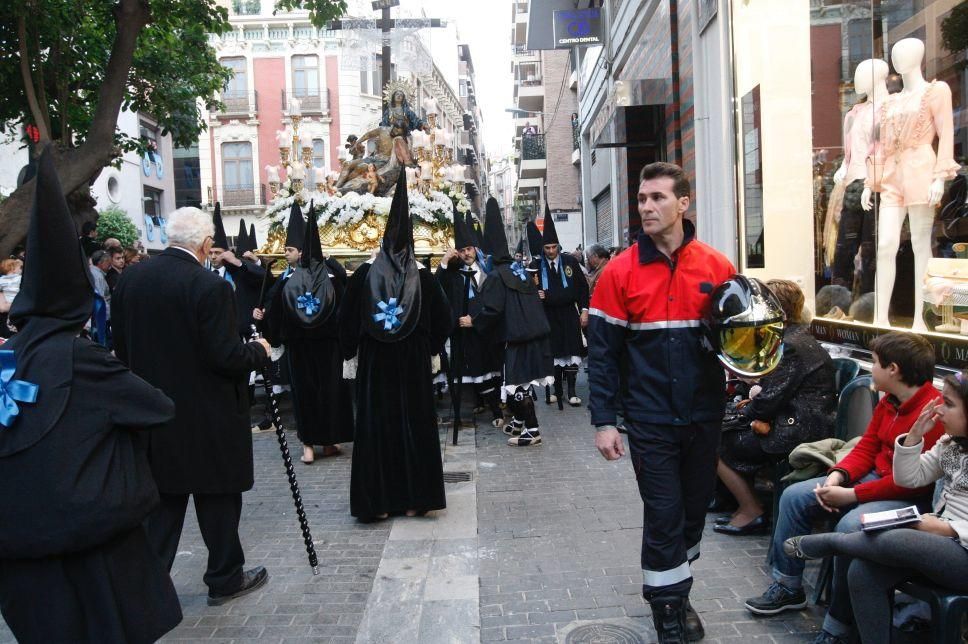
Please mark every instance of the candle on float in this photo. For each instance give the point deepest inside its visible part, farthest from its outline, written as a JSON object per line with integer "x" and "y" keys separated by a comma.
{"x": 412, "y": 175}
{"x": 457, "y": 173}
{"x": 306, "y": 140}
{"x": 283, "y": 139}
{"x": 295, "y": 109}
{"x": 426, "y": 170}
{"x": 342, "y": 155}
{"x": 297, "y": 172}
{"x": 319, "y": 175}
{"x": 272, "y": 173}
{"x": 430, "y": 105}
{"x": 445, "y": 138}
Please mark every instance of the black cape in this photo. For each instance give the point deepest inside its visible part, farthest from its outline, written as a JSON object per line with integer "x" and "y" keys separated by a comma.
{"x": 75, "y": 484}
{"x": 396, "y": 455}
{"x": 513, "y": 316}
{"x": 322, "y": 402}
{"x": 563, "y": 305}
{"x": 481, "y": 362}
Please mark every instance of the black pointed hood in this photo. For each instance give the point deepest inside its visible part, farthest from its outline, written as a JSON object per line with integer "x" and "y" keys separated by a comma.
{"x": 494, "y": 235}
{"x": 463, "y": 234}
{"x": 296, "y": 228}
{"x": 398, "y": 235}
{"x": 309, "y": 295}
{"x": 242, "y": 239}
{"x": 549, "y": 235}
{"x": 314, "y": 248}
{"x": 219, "y": 240}
{"x": 475, "y": 227}
{"x": 534, "y": 240}
{"x": 55, "y": 301}
{"x": 391, "y": 307}
{"x": 253, "y": 240}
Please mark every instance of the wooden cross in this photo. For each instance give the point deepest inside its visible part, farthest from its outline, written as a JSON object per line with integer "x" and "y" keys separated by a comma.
{"x": 385, "y": 24}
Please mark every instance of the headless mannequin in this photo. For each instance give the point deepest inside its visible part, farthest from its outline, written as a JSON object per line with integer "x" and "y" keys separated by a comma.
{"x": 907, "y": 55}
{"x": 870, "y": 79}
{"x": 855, "y": 230}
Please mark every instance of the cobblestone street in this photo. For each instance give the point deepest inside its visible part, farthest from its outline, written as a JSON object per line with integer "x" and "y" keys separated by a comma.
{"x": 539, "y": 543}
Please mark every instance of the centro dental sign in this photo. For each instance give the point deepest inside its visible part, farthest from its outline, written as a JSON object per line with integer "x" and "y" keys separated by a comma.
{"x": 577, "y": 28}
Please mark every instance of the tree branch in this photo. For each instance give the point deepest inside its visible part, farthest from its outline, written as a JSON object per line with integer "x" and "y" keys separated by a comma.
{"x": 25, "y": 73}
{"x": 79, "y": 165}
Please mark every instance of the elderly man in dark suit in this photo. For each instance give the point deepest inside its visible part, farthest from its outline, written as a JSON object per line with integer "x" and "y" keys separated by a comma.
{"x": 175, "y": 326}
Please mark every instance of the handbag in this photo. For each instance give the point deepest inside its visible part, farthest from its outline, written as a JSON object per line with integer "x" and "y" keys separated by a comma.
{"x": 733, "y": 422}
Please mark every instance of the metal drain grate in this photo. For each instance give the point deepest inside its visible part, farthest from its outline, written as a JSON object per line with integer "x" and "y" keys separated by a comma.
{"x": 457, "y": 477}
{"x": 603, "y": 634}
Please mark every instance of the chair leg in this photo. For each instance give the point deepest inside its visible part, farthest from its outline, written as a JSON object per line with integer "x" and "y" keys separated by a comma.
{"x": 947, "y": 615}
{"x": 824, "y": 580}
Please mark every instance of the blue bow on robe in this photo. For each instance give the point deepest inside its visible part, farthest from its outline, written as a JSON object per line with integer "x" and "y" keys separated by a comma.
{"x": 13, "y": 391}
{"x": 390, "y": 311}
{"x": 309, "y": 302}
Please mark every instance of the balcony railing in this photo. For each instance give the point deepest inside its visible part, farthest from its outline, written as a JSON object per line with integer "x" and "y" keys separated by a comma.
{"x": 532, "y": 147}
{"x": 240, "y": 102}
{"x": 532, "y": 81}
{"x": 575, "y": 134}
{"x": 522, "y": 50}
{"x": 311, "y": 101}
{"x": 243, "y": 195}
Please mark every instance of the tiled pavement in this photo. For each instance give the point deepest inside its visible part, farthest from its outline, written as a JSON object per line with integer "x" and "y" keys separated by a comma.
{"x": 553, "y": 545}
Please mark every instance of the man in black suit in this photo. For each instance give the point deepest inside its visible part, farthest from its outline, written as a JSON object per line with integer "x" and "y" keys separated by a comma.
{"x": 175, "y": 326}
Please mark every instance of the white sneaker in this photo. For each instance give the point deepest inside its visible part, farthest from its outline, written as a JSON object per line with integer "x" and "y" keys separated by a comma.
{"x": 574, "y": 401}
{"x": 497, "y": 422}
{"x": 528, "y": 438}
{"x": 552, "y": 399}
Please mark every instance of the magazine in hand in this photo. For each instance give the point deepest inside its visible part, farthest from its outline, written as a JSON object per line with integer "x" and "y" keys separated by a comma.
{"x": 871, "y": 521}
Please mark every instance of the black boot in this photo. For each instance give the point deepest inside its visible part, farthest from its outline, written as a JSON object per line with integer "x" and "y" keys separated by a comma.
{"x": 694, "y": 627}
{"x": 571, "y": 375}
{"x": 669, "y": 619}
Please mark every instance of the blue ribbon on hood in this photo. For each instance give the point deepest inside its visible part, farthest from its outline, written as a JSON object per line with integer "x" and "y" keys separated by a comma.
{"x": 389, "y": 313}
{"x": 13, "y": 391}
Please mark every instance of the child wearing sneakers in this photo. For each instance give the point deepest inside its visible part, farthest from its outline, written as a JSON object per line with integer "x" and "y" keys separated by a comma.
{"x": 903, "y": 367}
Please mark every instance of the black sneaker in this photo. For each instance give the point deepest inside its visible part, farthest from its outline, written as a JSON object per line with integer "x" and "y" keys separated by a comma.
{"x": 777, "y": 599}
{"x": 694, "y": 627}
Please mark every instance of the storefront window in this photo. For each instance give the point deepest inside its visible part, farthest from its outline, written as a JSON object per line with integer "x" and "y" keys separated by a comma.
{"x": 889, "y": 138}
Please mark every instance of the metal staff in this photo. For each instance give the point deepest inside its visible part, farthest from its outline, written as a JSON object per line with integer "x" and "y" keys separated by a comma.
{"x": 467, "y": 273}
{"x": 287, "y": 459}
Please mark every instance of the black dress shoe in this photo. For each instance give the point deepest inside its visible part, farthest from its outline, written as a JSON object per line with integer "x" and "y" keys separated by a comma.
{"x": 723, "y": 520}
{"x": 756, "y": 526}
{"x": 251, "y": 580}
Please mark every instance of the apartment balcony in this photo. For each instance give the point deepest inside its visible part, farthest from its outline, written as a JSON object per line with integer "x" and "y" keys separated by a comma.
{"x": 530, "y": 94}
{"x": 242, "y": 196}
{"x": 239, "y": 103}
{"x": 312, "y": 101}
{"x": 524, "y": 55}
{"x": 520, "y": 29}
{"x": 534, "y": 162}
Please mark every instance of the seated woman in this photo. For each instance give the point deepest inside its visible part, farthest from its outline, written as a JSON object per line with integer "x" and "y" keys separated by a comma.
{"x": 936, "y": 548}
{"x": 797, "y": 404}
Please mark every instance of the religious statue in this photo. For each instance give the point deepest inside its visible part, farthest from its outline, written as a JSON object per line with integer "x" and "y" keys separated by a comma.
{"x": 377, "y": 171}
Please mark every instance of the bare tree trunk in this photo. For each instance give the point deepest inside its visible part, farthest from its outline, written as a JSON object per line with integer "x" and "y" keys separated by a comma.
{"x": 77, "y": 166}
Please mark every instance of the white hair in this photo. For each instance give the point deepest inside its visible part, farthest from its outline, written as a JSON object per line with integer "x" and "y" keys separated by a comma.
{"x": 188, "y": 227}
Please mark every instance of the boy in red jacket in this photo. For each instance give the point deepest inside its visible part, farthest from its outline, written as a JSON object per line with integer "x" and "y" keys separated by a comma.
{"x": 863, "y": 481}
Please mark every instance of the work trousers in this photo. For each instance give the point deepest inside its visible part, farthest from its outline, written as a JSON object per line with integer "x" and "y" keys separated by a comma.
{"x": 675, "y": 466}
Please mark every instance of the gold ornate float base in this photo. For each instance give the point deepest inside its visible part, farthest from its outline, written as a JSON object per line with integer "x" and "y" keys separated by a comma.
{"x": 351, "y": 244}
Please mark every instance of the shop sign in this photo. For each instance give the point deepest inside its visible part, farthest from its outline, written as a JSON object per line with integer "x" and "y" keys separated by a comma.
{"x": 949, "y": 352}
{"x": 577, "y": 28}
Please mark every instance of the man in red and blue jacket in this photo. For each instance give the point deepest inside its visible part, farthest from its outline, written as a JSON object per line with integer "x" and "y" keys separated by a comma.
{"x": 648, "y": 306}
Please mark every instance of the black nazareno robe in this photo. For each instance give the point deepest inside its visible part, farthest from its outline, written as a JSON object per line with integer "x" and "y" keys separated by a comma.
{"x": 562, "y": 305}
{"x": 396, "y": 455}
{"x": 75, "y": 563}
{"x": 512, "y": 315}
{"x": 322, "y": 402}
{"x": 482, "y": 360}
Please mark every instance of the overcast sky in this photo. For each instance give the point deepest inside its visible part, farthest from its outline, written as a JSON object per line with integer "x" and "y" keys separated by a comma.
{"x": 485, "y": 25}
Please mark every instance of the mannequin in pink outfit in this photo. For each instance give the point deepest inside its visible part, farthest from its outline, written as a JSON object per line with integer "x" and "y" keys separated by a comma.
{"x": 908, "y": 173}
